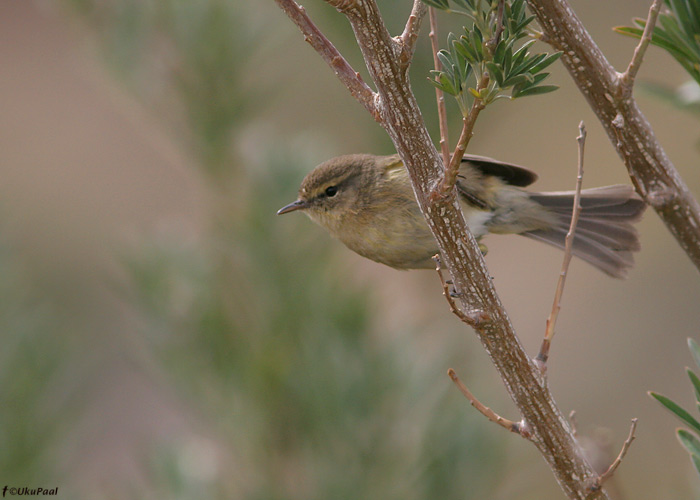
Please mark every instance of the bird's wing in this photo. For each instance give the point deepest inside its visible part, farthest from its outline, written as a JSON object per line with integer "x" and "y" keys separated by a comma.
{"x": 509, "y": 173}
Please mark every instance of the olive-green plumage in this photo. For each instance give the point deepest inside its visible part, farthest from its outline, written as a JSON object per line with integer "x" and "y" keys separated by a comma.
{"x": 367, "y": 202}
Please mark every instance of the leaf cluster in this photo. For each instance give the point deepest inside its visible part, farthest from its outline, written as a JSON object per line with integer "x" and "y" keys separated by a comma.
{"x": 491, "y": 46}
{"x": 690, "y": 439}
{"x": 677, "y": 32}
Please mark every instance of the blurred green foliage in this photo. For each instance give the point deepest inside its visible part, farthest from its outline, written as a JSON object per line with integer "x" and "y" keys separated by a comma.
{"x": 279, "y": 355}
{"x": 256, "y": 327}
{"x": 677, "y": 32}
{"x": 690, "y": 439}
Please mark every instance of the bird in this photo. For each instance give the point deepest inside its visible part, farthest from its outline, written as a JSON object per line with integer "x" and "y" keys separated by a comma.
{"x": 367, "y": 202}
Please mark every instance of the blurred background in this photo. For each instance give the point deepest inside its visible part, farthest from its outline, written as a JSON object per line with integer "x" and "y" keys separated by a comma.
{"x": 165, "y": 335}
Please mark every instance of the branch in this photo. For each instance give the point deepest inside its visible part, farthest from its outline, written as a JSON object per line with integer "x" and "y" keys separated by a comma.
{"x": 568, "y": 247}
{"x": 400, "y": 116}
{"x": 516, "y": 427}
{"x": 651, "y": 172}
{"x": 627, "y": 78}
{"x": 439, "y": 95}
{"x": 613, "y": 467}
{"x": 410, "y": 33}
{"x": 345, "y": 73}
{"x": 472, "y": 318}
{"x": 452, "y": 171}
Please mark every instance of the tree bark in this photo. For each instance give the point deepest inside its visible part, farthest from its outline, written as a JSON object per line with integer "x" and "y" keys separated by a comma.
{"x": 610, "y": 97}
{"x": 398, "y": 112}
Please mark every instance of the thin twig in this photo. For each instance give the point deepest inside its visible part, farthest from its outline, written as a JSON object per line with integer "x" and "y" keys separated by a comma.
{"x": 493, "y": 43}
{"x": 653, "y": 174}
{"x": 616, "y": 463}
{"x": 474, "y": 319}
{"x": 568, "y": 248}
{"x": 439, "y": 95}
{"x": 403, "y": 122}
{"x": 626, "y": 79}
{"x": 516, "y": 427}
{"x": 325, "y": 48}
{"x": 468, "y": 122}
{"x": 410, "y": 33}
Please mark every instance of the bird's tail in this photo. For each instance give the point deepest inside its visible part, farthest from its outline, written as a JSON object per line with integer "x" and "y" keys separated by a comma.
{"x": 605, "y": 236}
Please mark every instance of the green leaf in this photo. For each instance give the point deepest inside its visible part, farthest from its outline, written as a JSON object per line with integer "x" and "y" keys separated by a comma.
{"x": 542, "y": 89}
{"x": 520, "y": 27}
{"x": 517, "y": 9}
{"x": 694, "y": 350}
{"x": 695, "y": 9}
{"x": 500, "y": 51}
{"x": 689, "y": 441}
{"x": 477, "y": 43}
{"x": 520, "y": 79}
{"x": 495, "y": 72}
{"x": 628, "y": 31}
{"x": 658, "y": 38}
{"x": 695, "y": 381}
{"x": 507, "y": 60}
{"x": 446, "y": 62}
{"x": 680, "y": 39}
{"x": 440, "y": 4}
{"x": 548, "y": 59}
{"x": 696, "y": 462}
{"x": 464, "y": 47}
{"x": 689, "y": 24}
{"x": 520, "y": 54}
{"x": 677, "y": 410}
{"x": 465, "y": 4}
{"x": 529, "y": 63}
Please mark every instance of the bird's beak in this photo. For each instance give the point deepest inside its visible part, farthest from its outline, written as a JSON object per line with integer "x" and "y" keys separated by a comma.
{"x": 295, "y": 205}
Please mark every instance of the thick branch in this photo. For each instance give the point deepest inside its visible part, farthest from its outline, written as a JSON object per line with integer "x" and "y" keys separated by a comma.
{"x": 652, "y": 173}
{"x": 400, "y": 116}
{"x": 403, "y": 122}
{"x": 410, "y": 33}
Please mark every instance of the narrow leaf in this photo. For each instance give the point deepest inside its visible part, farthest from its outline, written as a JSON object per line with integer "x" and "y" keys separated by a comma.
{"x": 682, "y": 14}
{"x": 446, "y": 62}
{"x": 549, "y": 59}
{"x": 465, "y": 4}
{"x": 696, "y": 462}
{"x": 440, "y": 4}
{"x": 495, "y": 72}
{"x": 695, "y": 381}
{"x": 677, "y": 410}
{"x": 464, "y": 47}
{"x": 517, "y": 80}
{"x": 689, "y": 441}
{"x": 694, "y": 350}
{"x": 542, "y": 89}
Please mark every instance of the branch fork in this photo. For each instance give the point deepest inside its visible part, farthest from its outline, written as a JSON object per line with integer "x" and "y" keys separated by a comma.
{"x": 395, "y": 108}
{"x": 519, "y": 428}
{"x": 625, "y": 81}
{"x": 474, "y": 318}
{"x": 609, "y": 95}
{"x": 600, "y": 481}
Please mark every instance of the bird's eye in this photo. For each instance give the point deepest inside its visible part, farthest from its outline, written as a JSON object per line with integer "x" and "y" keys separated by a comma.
{"x": 331, "y": 191}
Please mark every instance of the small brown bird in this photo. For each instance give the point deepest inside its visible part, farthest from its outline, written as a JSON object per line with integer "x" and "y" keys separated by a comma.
{"x": 367, "y": 202}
